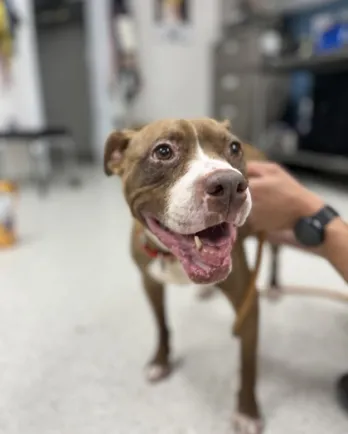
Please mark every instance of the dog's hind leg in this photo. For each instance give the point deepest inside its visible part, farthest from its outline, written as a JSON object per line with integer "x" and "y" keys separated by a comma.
{"x": 247, "y": 417}
{"x": 159, "y": 366}
{"x": 274, "y": 291}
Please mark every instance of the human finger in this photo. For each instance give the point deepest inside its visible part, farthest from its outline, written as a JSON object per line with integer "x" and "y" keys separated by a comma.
{"x": 258, "y": 185}
{"x": 260, "y": 168}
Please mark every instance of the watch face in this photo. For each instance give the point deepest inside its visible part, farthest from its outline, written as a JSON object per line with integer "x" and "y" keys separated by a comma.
{"x": 309, "y": 232}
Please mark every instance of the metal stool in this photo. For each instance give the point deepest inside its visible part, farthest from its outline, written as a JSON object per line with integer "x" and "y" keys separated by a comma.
{"x": 37, "y": 141}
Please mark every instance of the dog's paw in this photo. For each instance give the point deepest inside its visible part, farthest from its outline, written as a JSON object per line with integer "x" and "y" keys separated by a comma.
{"x": 205, "y": 292}
{"x": 244, "y": 424}
{"x": 274, "y": 294}
{"x": 156, "y": 372}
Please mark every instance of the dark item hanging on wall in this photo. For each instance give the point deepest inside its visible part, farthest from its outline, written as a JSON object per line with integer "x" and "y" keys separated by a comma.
{"x": 119, "y": 7}
{"x": 125, "y": 53}
{"x": 57, "y": 13}
{"x": 181, "y": 8}
{"x": 9, "y": 22}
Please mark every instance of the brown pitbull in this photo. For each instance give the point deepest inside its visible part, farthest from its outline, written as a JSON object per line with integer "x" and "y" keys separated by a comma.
{"x": 186, "y": 187}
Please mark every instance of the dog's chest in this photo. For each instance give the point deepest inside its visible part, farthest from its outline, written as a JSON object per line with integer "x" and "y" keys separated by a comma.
{"x": 168, "y": 272}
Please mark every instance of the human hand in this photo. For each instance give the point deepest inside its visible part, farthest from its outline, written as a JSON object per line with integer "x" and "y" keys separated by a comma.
{"x": 279, "y": 200}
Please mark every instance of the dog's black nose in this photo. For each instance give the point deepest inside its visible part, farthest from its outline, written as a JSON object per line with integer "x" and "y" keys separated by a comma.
{"x": 226, "y": 187}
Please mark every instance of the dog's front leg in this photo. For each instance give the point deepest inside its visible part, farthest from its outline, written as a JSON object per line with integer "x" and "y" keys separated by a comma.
{"x": 247, "y": 417}
{"x": 159, "y": 366}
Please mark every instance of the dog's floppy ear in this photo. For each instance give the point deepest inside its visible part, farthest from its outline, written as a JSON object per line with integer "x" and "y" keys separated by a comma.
{"x": 226, "y": 124}
{"x": 115, "y": 148}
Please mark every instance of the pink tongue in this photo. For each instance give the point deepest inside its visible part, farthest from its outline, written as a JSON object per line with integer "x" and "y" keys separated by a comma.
{"x": 209, "y": 255}
{"x": 211, "y": 263}
{"x": 206, "y": 266}
{"x": 214, "y": 250}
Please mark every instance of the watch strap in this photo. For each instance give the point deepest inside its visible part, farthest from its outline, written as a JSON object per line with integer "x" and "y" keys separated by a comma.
{"x": 325, "y": 215}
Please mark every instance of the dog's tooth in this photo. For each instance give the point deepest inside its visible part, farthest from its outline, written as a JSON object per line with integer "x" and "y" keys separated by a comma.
{"x": 198, "y": 242}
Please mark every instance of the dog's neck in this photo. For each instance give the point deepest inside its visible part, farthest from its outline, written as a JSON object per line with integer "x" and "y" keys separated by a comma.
{"x": 165, "y": 271}
{"x": 164, "y": 267}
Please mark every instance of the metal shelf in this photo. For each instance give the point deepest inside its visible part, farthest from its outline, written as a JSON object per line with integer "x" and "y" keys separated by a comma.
{"x": 326, "y": 63}
{"x": 264, "y": 16}
{"x": 336, "y": 61}
{"x": 307, "y": 8}
{"x": 324, "y": 162}
{"x": 320, "y": 64}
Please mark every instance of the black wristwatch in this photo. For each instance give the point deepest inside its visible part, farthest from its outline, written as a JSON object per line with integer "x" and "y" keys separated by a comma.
{"x": 310, "y": 231}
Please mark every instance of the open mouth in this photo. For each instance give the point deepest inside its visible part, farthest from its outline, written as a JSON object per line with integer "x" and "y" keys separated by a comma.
{"x": 205, "y": 255}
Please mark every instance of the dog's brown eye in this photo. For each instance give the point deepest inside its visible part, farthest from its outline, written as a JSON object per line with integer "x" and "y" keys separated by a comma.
{"x": 163, "y": 152}
{"x": 235, "y": 148}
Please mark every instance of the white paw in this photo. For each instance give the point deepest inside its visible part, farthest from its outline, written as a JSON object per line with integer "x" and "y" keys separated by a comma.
{"x": 274, "y": 294}
{"x": 246, "y": 425}
{"x": 156, "y": 373}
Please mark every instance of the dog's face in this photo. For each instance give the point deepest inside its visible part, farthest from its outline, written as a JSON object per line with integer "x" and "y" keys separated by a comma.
{"x": 185, "y": 181}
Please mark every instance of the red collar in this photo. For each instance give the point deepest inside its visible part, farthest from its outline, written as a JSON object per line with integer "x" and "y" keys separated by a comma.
{"x": 155, "y": 253}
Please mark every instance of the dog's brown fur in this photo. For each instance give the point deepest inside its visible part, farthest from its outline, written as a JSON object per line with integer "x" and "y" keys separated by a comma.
{"x": 234, "y": 288}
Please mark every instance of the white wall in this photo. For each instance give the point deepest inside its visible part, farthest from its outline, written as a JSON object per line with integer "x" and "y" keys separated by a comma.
{"x": 98, "y": 54}
{"x": 6, "y": 104}
{"x": 177, "y": 78}
{"x": 28, "y": 93}
{"x": 22, "y": 103}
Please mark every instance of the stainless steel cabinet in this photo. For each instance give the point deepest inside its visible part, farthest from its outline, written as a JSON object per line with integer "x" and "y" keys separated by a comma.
{"x": 240, "y": 90}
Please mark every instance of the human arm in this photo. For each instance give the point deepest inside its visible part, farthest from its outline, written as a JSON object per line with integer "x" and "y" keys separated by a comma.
{"x": 279, "y": 201}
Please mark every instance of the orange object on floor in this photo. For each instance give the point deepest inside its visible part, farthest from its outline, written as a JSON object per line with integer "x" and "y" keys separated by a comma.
{"x": 8, "y": 192}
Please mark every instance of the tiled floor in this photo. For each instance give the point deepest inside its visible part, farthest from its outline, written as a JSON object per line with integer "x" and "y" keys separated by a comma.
{"x": 75, "y": 332}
